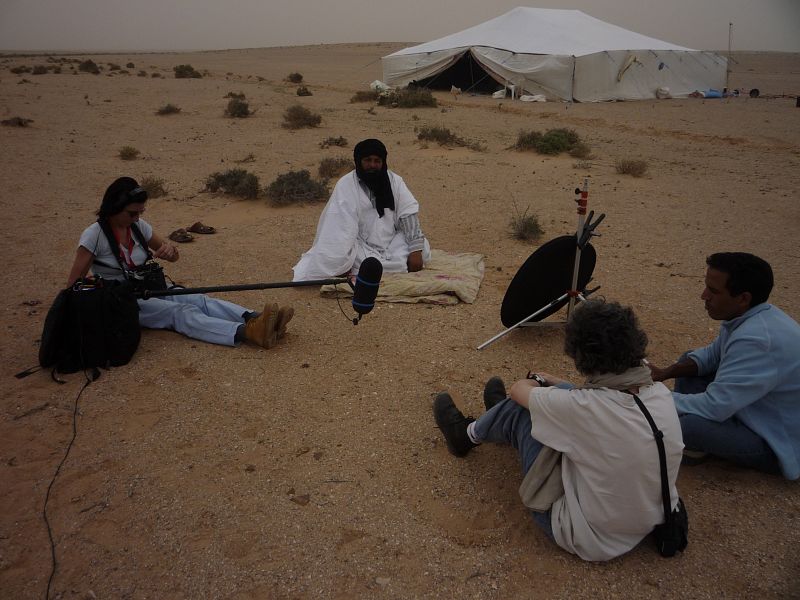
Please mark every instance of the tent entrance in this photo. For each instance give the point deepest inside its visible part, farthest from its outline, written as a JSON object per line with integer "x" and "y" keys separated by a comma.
{"x": 466, "y": 73}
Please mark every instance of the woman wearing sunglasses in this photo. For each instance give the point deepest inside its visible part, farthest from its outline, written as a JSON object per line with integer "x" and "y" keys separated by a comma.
{"x": 120, "y": 242}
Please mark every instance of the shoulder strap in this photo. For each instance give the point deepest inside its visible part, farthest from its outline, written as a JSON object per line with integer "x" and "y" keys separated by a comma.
{"x": 137, "y": 233}
{"x": 105, "y": 227}
{"x": 662, "y": 458}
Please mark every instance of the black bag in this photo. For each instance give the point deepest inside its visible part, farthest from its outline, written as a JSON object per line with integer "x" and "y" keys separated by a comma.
{"x": 672, "y": 535}
{"x": 94, "y": 323}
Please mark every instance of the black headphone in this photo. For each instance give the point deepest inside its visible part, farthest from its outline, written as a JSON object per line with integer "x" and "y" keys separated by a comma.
{"x": 137, "y": 194}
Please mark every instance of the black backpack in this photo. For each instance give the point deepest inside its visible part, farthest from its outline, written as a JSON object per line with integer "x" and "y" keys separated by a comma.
{"x": 94, "y": 323}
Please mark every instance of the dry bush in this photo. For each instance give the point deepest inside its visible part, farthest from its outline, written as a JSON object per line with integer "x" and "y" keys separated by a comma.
{"x": 113, "y": 67}
{"x": 186, "y": 72}
{"x": 128, "y": 153}
{"x": 16, "y": 122}
{"x": 168, "y": 109}
{"x": 333, "y": 141}
{"x": 334, "y": 167}
{"x": 39, "y": 70}
{"x": 304, "y": 91}
{"x": 235, "y": 95}
{"x": 154, "y": 186}
{"x": 444, "y": 137}
{"x": 297, "y": 117}
{"x": 130, "y": 65}
{"x": 20, "y": 70}
{"x": 295, "y": 186}
{"x": 525, "y": 227}
{"x": 408, "y": 98}
{"x": 237, "y": 182}
{"x": 238, "y": 108}
{"x": 553, "y": 141}
{"x": 247, "y": 159}
{"x": 156, "y": 74}
{"x": 580, "y": 150}
{"x": 631, "y": 166}
{"x": 365, "y": 96}
{"x": 89, "y": 66}
{"x": 294, "y": 78}
{"x": 142, "y": 74}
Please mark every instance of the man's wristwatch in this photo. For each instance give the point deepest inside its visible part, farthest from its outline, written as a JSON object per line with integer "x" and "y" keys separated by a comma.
{"x": 537, "y": 378}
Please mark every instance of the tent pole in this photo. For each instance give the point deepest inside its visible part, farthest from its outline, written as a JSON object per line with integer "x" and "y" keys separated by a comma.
{"x": 572, "y": 90}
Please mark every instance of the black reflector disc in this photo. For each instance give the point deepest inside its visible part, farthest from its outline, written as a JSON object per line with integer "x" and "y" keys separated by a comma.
{"x": 545, "y": 276}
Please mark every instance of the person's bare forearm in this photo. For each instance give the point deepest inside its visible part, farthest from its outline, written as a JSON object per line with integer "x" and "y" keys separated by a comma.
{"x": 686, "y": 368}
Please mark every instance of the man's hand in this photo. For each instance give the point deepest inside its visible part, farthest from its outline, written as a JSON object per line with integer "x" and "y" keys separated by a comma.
{"x": 687, "y": 368}
{"x": 657, "y": 373}
{"x": 415, "y": 261}
{"x": 521, "y": 390}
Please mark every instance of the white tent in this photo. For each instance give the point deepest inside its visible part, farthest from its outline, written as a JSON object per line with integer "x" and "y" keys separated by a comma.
{"x": 562, "y": 54}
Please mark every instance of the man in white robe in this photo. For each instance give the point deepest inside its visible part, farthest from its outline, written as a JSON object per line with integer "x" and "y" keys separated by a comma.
{"x": 370, "y": 213}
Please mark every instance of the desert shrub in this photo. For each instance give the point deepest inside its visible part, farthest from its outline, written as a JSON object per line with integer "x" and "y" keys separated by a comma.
{"x": 168, "y": 109}
{"x": 408, "y": 98}
{"x": 154, "y": 75}
{"x": 580, "y": 150}
{"x": 130, "y": 65}
{"x": 525, "y": 227}
{"x": 39, "y": 70}
{"x": 441, "y": 135}
{"x": 16, "y": 122}
{"x": 89, "y": 66}
{"x": 20, "y": 70}
{"x": 553, "y": 141}
{"x": 295, "y": 186}
{"x": 113, "y": 67}
{"x": 297, "y": 117}
{"x": 186, "y": 72}
{"x": 444, "y": 137}
{"x": 633, "y": 167}
{"x": 235, "y": 95}
{"x": 294, "y": 78}
{"x": 237, "y": 108}
{"x": 154, "y": 186}
{"x": 56, "y": 70}
{"x": 237, "y": 182}
{"x": 128, "y": 153}
{"x": 247, "y": 159}
{"x": 334, "y": 167}
{"x": 365, "y": 96}
{"x": 142, "y": 74}
{"x": 333, "y": 141}
{"x": 304, "y": 91}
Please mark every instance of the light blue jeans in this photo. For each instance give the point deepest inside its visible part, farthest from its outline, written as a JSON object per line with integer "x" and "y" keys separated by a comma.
{"x": 194, "y": 315}
{"x": 508, "y": 423}
{"x": 730, "y": 439}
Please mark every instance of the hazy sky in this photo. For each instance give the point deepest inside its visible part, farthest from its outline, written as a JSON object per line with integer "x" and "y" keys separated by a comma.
{"x": 127, "y": 25}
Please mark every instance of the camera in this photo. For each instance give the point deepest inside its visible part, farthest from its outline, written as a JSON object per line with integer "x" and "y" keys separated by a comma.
{"x": 149, "y": 276}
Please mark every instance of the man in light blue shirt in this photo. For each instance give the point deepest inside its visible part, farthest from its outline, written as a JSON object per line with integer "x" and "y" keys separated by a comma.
{"x": 739, "y": 397}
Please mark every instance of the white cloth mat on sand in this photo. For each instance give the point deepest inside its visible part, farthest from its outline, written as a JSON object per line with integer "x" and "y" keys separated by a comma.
{"x": 447, "y": 278}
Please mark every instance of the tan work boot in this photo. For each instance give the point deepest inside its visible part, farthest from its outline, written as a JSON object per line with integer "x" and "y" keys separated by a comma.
{"x": 285, "y": 314}
{"x": 262, "y": 330}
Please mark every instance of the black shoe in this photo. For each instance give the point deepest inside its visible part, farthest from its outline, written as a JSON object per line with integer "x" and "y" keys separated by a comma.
{"x": 494, "y": 392}
{"x": 453, "y": 425}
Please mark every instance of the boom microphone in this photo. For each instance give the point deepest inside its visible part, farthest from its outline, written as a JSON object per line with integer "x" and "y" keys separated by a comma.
{"x": 365, "y": 289}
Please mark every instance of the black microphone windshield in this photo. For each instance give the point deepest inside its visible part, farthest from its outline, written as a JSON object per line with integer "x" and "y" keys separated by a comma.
{"x": 366, "y": 288}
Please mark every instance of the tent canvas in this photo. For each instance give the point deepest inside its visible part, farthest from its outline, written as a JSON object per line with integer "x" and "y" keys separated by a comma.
{"x": 564, "y": 55}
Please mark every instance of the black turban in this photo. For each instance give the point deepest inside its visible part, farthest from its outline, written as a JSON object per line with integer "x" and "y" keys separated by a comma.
{"x": 377, "y": 182}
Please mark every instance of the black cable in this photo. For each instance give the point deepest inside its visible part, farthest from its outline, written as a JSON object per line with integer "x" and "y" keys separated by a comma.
{"x": 49, "y": 487}
{"x": 354, "y": 321}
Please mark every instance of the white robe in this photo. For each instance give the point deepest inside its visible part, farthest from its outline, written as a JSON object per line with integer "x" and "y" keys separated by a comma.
{"x": 350, "y": 230}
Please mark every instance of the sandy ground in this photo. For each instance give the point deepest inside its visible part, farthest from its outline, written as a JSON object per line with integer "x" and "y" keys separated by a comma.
{"x": 315, "y": 470}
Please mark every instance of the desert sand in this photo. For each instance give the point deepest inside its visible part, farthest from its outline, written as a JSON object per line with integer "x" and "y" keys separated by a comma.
{"x": 314, "y": 470}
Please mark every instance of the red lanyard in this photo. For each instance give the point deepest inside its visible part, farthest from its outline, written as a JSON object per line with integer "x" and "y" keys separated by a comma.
{"x": 129, "y": 257}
